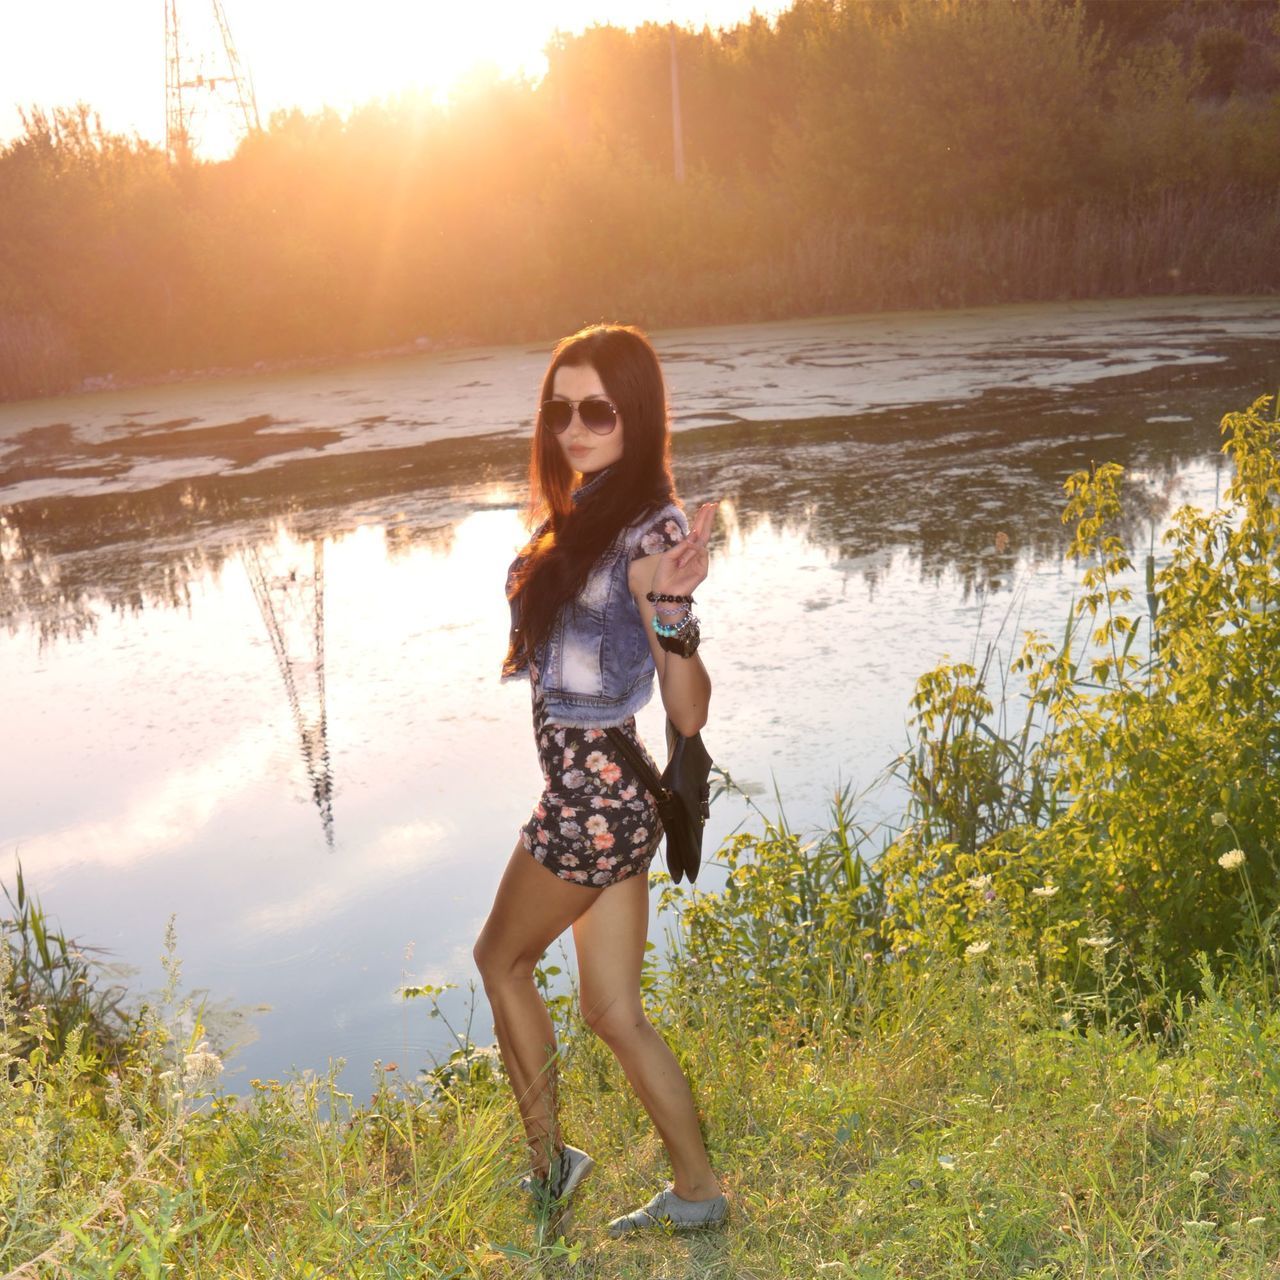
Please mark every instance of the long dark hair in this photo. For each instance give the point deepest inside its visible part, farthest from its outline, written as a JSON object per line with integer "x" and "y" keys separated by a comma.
{"x": 576, "y": 534}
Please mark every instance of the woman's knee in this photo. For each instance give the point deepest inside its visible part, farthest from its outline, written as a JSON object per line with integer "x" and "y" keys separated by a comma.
{"x": 498, "y": 963}
{"x": 613, "y": 1020}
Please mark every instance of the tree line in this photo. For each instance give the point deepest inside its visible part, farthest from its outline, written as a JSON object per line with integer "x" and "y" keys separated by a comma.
{"x": 847, "y": 155}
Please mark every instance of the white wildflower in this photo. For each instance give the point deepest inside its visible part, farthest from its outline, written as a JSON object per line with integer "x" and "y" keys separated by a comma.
{"x": 1101, "y": 942}
{"x": 1045, "y": 891}
{"x": 1232, "y": 860}
{"x": 976, "y": 948}
{"x": 1255, "y": 1222}
{"x": 200, "y": 1066}
{"x": 1198, "y": 1176}
{"x": 979, "y": 882}
{"x": 1219, "y": 819}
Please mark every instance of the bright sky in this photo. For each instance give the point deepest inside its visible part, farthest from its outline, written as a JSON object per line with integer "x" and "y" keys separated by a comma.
{"x": 305, "y": 53}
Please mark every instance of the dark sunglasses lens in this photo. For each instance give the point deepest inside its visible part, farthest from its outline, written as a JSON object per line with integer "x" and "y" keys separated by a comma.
{"x": 597, "y": 415}
{"x": 556, "y": 415}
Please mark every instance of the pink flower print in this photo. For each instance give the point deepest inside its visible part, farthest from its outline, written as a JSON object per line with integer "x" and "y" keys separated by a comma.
{"x": 543, "y": 835}
{"x": 610, "y": 773}
{"x": 593, "y": 735}
{"x": 570, "y": 829}
{"x": 640, "y": 835}
{"x": 568, "y": 811}
{"x": 652, "y": 543}
{"x": 600, "y": 877}
{"x": 597, "y": 823}
{"x": 567, "y": 759}
{"x": 604, "y": 840}
{"x": 628, "y": 792}
{"x": 570, "y": 859}
{"x": 597, "y": 761}
{"x": 606, "y": 863}
{"x": 574, "y": 778}
{"x": 539, "y": 811}
{"x": 673, "y": 531}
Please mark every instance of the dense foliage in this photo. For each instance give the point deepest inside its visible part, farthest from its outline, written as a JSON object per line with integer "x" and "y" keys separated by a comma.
{"x": 848, "y": 155}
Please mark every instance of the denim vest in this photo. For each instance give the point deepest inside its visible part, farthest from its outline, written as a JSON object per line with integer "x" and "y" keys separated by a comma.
{"x": 595, "y": 667}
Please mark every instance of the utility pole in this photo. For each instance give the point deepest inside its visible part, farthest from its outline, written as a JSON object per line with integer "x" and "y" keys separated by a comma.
{"x": 677, "y": 132}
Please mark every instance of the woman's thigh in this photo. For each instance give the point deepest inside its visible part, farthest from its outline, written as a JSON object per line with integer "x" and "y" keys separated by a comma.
{"x": 609, "y": 939}
{"x": 532, "y": 908}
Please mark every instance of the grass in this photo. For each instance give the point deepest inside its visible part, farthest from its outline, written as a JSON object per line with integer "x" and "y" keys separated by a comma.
{"x": 964, "y": 1121}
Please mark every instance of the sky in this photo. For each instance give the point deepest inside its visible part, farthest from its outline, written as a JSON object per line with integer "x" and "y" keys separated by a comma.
{"x": 304, "y": 53}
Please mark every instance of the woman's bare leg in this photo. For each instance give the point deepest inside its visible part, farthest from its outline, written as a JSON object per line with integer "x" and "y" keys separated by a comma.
{"x": 610, "y": 939}
{"x": 532, "y": 908}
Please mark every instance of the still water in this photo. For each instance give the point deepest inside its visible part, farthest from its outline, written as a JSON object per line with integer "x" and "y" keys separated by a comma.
{"x": 250, "y": 630}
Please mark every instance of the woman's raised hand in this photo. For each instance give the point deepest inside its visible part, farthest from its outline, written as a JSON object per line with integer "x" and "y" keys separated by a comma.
{"x": 682, "y": 567}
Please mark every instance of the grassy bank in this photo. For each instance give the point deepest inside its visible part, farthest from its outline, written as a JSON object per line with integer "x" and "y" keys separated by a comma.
{"x": 972, "y": 1122}
{"x": 1033, "y": 1031}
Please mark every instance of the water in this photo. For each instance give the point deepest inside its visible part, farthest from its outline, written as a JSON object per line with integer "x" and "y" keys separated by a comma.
{"x": 252, "y": 628}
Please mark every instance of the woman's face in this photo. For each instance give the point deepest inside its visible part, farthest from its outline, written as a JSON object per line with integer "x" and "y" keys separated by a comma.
{"x": 583, "y": 449}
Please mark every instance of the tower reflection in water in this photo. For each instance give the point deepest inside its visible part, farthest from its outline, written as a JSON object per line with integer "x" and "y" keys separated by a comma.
{"x": 287, "y": 578}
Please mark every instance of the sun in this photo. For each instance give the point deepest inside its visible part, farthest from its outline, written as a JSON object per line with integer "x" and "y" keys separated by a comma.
{"x": 388, "y": 47}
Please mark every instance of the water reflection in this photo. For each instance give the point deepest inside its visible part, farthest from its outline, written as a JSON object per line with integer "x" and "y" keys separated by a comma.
{"x": 942, "y": 482}
{"x": 289, "y": 589}
{"x": 148, "y": 637}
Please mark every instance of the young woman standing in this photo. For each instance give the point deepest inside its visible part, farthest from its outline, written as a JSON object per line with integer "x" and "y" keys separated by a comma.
{"x": 613, "y": 554}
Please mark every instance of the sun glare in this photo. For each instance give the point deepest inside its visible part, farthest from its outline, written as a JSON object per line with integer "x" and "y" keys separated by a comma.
{"x": 307, "y": 54}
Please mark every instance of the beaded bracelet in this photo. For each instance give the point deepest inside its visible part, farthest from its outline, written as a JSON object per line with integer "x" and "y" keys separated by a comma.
{"x": 653, "y": 597}
{"x": 672, "y": 630}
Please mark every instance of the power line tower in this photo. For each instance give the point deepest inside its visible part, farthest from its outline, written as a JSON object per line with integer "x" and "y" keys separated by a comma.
{"x": 196, "y": 75}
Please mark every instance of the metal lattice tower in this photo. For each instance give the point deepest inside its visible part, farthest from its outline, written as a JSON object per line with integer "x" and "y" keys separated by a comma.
{"x": 186, "y": 83}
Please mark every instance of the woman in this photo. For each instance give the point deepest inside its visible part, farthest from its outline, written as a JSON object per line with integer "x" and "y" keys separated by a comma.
{"x": 613, "y": 555}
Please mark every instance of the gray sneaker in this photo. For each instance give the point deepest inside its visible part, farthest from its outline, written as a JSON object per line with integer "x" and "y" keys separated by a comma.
{"x": 670, "y": 1210}
{"x": 566, "y": 1175}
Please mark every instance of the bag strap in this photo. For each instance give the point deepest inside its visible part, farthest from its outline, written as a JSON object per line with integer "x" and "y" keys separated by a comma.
{"x": 642, "y": 767}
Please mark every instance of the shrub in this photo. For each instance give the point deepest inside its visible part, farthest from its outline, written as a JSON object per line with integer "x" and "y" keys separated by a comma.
{"x": 1154, "y": 753}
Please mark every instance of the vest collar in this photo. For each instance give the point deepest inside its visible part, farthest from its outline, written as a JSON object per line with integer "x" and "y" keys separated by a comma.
{"x": 594, "y": 483}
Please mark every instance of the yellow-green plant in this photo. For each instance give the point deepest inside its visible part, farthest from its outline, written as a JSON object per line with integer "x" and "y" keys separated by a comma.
{"x": 1155, "y": 752}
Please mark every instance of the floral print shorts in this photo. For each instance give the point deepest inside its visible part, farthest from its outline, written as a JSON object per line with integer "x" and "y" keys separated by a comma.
{"x": 595, "y": 822}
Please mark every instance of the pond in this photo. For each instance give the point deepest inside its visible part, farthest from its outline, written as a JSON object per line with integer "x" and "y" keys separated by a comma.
{"x": 252, "y": 627}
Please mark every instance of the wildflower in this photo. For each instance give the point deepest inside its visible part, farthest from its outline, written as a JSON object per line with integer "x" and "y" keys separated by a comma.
{"x": 976, "y": 948}
{"x": 1044, "y": 891}
{"x": 1100, "y": 942}
{"x": 1199, "y": 1224}
{"x": 1231, "y": 860}
{"x": 1198, "y": 1176}
{"x": 1219, "y": 819}
{"x": 979, "y": 882}
{"x": 1255, "y": 1222}
{"x": 201, "y": 1065}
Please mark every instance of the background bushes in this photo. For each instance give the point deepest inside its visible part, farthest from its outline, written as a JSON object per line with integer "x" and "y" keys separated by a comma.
{"x": 849, "y": 155}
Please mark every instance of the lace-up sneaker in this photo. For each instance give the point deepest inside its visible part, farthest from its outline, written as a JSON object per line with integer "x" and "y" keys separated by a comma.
{"x": 667, "y": 1209}
{"x": 566, "y": 1175}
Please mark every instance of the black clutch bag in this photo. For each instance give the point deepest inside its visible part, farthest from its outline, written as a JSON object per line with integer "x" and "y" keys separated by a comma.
{"x": 683, "y": 793}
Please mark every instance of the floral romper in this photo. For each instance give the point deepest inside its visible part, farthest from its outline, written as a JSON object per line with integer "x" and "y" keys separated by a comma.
{"x": 595, "y": 821}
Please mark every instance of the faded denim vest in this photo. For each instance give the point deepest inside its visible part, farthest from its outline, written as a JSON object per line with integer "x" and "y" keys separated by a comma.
{"x": 595, "y": 666}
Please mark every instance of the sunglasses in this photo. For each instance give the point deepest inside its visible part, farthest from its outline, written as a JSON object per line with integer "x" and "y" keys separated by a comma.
{"x": 597, "y": 415}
